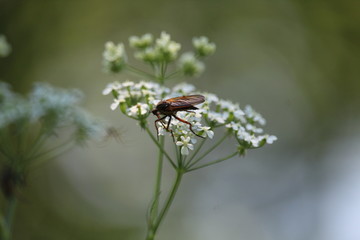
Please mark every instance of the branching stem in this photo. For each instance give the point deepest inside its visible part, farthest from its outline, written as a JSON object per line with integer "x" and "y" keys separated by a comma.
{"x": 160, "y": 147}
{"x": 212, "y": 162}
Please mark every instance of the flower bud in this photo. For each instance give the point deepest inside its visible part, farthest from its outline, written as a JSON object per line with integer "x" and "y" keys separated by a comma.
{"x": 190, "y": 65}
{"x": 141, "y": 42}
{"x": 203, "y": 47}
{"x": 114, "y": 57}
{"x": 167, "y": 49}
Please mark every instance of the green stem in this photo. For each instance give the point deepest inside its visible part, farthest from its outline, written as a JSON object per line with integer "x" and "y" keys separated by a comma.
{"x": 208, "y": 151}
{"x": 196, "y": 152}
{"x": 37, "y": 144}
{"x": 43, "y": 158}
{"x": 160, "y": 147}
{"x": 160, "y": 74}
{"x": 212, "y": 162}
{"x": 178, "y": 156}
{"x": 154, "y": 210}
{"x": 51, "y": 150}
{"x": 173, "y": 74}
{"x": 7, "y": 221}
{"x": 152, "y": 231}
{"x": 139, "y": 72}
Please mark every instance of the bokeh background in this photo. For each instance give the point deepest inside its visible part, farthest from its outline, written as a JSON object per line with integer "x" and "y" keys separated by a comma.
{"x": 295, "y": 61}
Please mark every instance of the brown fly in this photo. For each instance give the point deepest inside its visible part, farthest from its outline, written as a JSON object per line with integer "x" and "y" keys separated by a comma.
{"x": 169, "y": 108}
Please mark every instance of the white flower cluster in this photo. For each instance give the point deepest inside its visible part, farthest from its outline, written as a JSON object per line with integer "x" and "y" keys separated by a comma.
{"x": 203, "y": 47}
{"x": 136, "y": 100}
{"x": 190, "y": 65}
{"x": 52, "y": 108}
{"x": 141, "y": 42}
{"x": 5, "y": 47}
{"x": 114, "y": 57}
{"x": 159, "y": 53}
{"x": 164, "y": 49}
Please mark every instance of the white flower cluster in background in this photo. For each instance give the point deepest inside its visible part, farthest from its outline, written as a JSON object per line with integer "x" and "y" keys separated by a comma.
{"x": 136, "y": 100}
{"x": 5, "y": 47}
{"x": 51, "y": 108}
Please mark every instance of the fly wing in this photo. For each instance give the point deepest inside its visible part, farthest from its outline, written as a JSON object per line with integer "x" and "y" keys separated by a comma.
{"x": 186, "y": 101}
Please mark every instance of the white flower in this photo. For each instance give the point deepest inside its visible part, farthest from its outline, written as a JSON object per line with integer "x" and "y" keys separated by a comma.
{"x": 166, "y": 48}
{"x": 184, "y": 88}
{"x": 147, "y": 92}
{"x": 234, "y": 126}
{"x": 207, "y": 132}
{"x": 211, "y": 98}
{"x": 203, "y": 47}
{"x": 185, "y": 145}
{"x": 238, "y": 113}
{"x": 243, "y": 135}
{"x": 114, "y": 52}
{"x": 270, "y": 139}
{"x": 146, "y": 85}
{"x": 138, "y": 110}
{"x": 141, "y": 42}
{"x": 174, "y": 48}
{"x": 255, "y": 116}
{"x": 161, "y": 130}
{"x": 111, "y": 86}
{"x": 190, "y": 65}
{"x": 254, "y": 141}
{"x": 117, "y": 101}
{"x": 128, "y": 83}
{"x": 228, "y": 105}
{"x": 114, "y": 57}
{"x": 216, "y": 117}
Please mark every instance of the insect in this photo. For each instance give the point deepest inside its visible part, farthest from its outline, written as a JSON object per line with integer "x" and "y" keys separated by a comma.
{"x": 171, "y": 106}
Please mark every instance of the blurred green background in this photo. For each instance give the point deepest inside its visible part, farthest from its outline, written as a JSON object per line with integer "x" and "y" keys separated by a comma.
{"x": 296, "y": 62}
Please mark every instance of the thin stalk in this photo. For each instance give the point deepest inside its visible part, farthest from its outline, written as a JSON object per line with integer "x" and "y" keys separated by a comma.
{"x": 178, "y": 156}
{"x": 41, "y": 159}
{"x": 173, "y": 74}
{"x": 196, "y": 152}
{"x": 154, "y": 210}
{"x": 8, "y": 219}
{"x": 209, "y": 150}
{"x": 212, "y": 162}
{"x": 51, "y": 150}
{"x": 139, "y": 72}
{"x": 160, "y": 75}
{"x": 152, "y": 232}
{"x": 160, "y": 147}
{"x": 37, "y": 144}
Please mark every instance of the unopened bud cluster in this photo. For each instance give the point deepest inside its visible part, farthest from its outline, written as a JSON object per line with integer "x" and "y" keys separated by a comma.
{"x": 114, "y": 57}
{"x": 158, "y": 53}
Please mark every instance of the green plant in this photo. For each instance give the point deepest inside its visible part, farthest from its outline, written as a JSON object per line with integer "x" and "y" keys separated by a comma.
{"x": 136, "y": 100}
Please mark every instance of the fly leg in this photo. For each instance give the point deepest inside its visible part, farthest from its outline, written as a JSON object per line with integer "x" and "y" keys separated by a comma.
{"x": 170, "y": 130}
{"x": 190, "y": 125}
{"x": 159, "y": 119}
